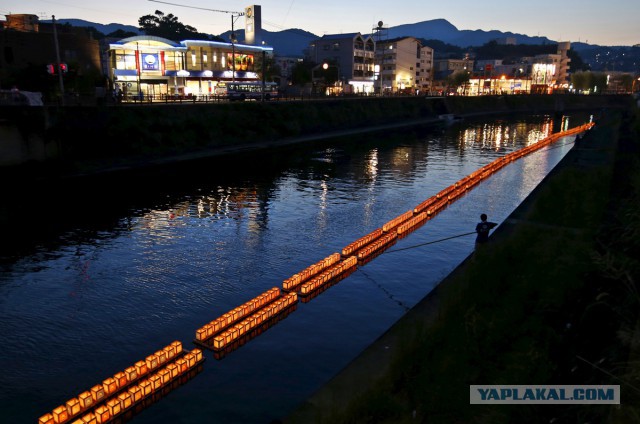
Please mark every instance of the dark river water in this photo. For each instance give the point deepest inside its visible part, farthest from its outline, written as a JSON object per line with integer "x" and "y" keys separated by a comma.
{"x": 96, "y": 275}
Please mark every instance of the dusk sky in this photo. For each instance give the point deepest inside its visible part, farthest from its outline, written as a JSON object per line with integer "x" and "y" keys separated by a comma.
{"x": 612, "y": 22}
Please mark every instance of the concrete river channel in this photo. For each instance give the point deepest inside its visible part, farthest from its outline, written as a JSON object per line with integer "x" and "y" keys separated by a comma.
{"x": 97, "y": 275}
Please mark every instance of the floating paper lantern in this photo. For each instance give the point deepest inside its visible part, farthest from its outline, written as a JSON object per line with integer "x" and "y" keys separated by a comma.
{"x": 136, "y": 393}
{"x": 131, "y": 373}
{"x": 114, "y": 407}
{"x": 102, "y": 414}
{"x": 162, "y": 357}
{"x": 60, "y": 414}
{"x": 169, "y": 351}
{"x": 164, "y": 375}
{"x": 121, "y": 379}
{"x": 177, "y": 347}
{"x": 182, "y": 364}
{"x": 110, "y": 386}
{"x": 198, "y": 354}
{"x": 46, "y": 419}
{"x": 73, "y": 406}
{"x": 125, "y": 400}
{"x": 97, "y": 393}
{"x": 191, "y": 359}
{"x": 146, "y": 387}
{"x": 156, "y": 382}
{"x": 152, "y": 362}
{"x": 173, "y": 370}
{"x": 85, "y": 399}
{"x": 141, "y": 368}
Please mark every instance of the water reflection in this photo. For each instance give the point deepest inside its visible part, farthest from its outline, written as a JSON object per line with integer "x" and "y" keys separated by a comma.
{"x": 149, "y": 265}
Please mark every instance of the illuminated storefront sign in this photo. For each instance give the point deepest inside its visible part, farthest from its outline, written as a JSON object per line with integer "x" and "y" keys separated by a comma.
{"x": 150, "y": 62}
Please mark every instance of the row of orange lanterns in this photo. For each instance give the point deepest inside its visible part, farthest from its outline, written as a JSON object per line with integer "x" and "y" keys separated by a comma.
{"x": 362, "y": 241}
{"x": 412, "y": 223}
{"x": 233, "y": 333}
{"x": 116, "y": 394}
{"x": 236, "y": 314}
{"x": 328, "y": 274}
{"x": 310, "y": 271}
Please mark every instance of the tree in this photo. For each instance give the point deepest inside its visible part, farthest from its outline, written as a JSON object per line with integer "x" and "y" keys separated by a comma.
{"x": 459, "y": 79}
{"x": 168, "y": 26}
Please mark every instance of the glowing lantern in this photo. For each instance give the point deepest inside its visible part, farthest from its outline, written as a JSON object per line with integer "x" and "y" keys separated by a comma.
{"x": 102, "y": 414}
{"x": 156, "y": 382}
{"x": 162, "y": 356}
{"x": 121, "y": 379}
{"x": 191, "y": 359}
{"x": 173, "y": 370}
{"x": 146, "y": 387}
{"x": 198, "y": 354}
{"x": 169, "y": 351}
{"x": 114, "y": 406}
{"x": 218, "y": 343}
{"x": 141, "y": 368}
{"x": 182, "y": 364}
{"x": 85, "y": 399}
{"x": 125, "y": 400}
{"x": 46, "y": 419}
{"x": 136, "y": 393}
{"x": 131, "y": 373}
{"x": 165, "y": 376}
{"x": 60, "y": 414}
{"x": 201, "y": 333}
{"x": 152, "y": 362}
{"x": 110, "y": 386}
{"x": 97, "y": 393}
{"x": 73, "y": 406}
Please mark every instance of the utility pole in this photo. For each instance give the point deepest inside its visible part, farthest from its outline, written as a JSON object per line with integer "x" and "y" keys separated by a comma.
{"x": 55, "y": 39}
{"x": 234, "y": 17}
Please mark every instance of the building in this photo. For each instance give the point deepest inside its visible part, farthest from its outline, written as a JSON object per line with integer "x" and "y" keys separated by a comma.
{"x": 352, "y": 54}
{"x": 156, "y": 67}
{"x": 28, "y": 49}
{"x": 405, "y": 65}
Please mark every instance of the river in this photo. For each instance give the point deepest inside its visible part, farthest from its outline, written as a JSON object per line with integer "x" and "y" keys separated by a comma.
{"x": 96, "y": 276}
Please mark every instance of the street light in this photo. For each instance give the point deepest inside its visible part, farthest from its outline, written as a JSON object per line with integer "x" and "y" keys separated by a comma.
{"x": 326, "y": 66}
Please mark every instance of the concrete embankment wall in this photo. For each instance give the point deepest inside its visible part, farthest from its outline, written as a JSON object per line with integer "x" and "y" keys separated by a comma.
{"x": 73, "y": 138}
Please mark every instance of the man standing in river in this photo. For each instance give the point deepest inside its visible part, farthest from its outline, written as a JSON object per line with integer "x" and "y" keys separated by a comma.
{"x": 483, "y": 229}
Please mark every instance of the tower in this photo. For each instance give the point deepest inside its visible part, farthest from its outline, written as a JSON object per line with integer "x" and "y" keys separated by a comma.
{"x": 253, "y": 24}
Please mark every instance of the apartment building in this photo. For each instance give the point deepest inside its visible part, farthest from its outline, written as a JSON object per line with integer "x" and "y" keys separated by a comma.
{"x": 353, "y": 54}
{"x": 405, "y": 66}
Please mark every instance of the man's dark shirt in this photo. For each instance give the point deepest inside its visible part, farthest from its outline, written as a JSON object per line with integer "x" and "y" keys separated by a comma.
{"x": 483, "y": 229}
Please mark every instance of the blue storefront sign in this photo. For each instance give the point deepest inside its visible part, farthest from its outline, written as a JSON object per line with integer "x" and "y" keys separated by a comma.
{"x": 150, "y": 62}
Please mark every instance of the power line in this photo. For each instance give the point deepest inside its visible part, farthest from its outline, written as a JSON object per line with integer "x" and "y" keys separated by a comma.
{"x": 200, "y": 8}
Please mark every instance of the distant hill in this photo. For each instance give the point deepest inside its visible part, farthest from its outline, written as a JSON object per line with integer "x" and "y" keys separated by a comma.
{"x": 103, "y": 28}
{"x": 293, "y": 42}
{"x": 289, "y": 42}
{"x": 441, "y": 29}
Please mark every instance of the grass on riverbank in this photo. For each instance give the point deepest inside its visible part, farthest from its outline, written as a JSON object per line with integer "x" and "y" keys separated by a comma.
{"x": 554, "y": 301}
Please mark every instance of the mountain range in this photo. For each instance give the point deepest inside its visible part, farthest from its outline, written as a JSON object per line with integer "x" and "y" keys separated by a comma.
{"x": 293, "y": 42}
